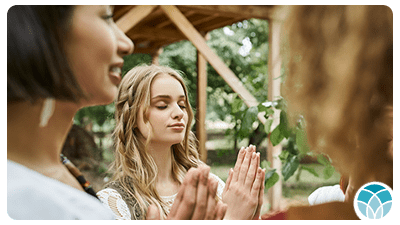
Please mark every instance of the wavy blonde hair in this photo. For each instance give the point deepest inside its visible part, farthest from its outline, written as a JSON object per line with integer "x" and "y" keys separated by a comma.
{"x": 339, "y": 64}
{"x": 133, "y": 167}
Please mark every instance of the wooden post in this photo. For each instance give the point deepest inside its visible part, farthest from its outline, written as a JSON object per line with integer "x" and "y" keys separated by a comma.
{"x": 201, "y": 105}
{"x": 156, "y": 56}
{"x": 274, "y": 84}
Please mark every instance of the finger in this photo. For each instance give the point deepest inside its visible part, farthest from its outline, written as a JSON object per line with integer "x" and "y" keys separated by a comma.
{"x": 152, "y": 213}
{"x": 255, "y": 190}
{"x": 202, "y": 193}
{"x": 239, "y": 162}
{"x": 244, "y": 167}
{"x": 221, "y": 210}
{"x": 260, "y": 196}
{"x": 178, "y": 199}
{"x": 252, "y": 148}
{"x": 228, "y": 181}
{"x": 251, "y": 174}
{"x": 185, "y": 206}
{"x": 211, "y": 201}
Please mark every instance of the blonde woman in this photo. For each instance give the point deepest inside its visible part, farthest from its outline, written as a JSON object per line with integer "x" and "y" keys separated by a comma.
{"x": 154, "y": 145}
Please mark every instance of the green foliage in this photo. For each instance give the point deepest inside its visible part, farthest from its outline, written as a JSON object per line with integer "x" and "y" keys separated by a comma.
{"x": 310, "y": 170}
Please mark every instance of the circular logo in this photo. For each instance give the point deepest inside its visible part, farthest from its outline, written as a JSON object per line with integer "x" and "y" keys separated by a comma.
{"x": 373, "y": 200}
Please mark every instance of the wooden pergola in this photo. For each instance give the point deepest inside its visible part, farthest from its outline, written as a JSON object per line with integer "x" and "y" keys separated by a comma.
{"x": 151, "y": 27}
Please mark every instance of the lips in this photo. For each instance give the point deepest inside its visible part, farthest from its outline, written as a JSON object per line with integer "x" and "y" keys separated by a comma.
{"x": 115, "y": 74}
{"x": 177, "y": 126}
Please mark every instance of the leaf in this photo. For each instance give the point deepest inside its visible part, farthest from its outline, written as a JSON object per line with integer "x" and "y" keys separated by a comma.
{"x": 276, "y": 137}
{"x": 310, "y": 170}
{"x": 267, "y": 125}
{"x": 272, "y": 179}
{"x": 290, "y": 167}
{"x": 323, "y": 160}
{"x": 248, "y": 119}
{"x": 280, "y": 104}
{"x": 284, "y": 125}
{"x": 283, "y": 156}
{"x": 265, "y": 164}
{"x": 236, "y": 105}
{"x": 301, "y": 141}
{"x": 328, "y": 171}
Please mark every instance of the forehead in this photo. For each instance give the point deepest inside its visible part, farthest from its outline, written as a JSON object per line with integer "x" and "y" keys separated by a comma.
{"x": 165, "y": 84}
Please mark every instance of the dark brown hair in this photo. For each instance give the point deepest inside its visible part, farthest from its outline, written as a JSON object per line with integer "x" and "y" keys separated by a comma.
{"x": 36, "y": 63}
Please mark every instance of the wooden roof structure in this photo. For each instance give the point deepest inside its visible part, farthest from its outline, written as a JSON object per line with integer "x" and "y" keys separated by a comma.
{"x": 156, "y": 30}
{"x": 151, "y": 27}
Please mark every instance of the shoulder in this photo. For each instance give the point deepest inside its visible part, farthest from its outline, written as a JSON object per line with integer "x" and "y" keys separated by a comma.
{"x": 113, "y": 200}
{"x": 31, "y": 195}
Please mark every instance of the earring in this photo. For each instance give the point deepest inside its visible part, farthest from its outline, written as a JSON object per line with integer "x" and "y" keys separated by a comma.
{"x": 47, "y": 111}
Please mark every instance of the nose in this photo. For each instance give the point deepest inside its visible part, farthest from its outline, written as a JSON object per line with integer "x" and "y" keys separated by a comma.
{"x": 177, "y": 112}
{"x": 125, "y": 44}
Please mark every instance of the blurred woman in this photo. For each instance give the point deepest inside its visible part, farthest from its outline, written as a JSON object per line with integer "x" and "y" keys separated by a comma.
{"x": 339, "y": 62}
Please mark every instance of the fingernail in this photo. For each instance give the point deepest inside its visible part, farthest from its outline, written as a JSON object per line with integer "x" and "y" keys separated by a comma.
{"x": 253, "y": 155}
{"x": 258, "y": 154}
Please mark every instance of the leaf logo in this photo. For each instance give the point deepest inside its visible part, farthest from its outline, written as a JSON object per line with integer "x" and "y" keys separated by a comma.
{"x": 373, "y": 201}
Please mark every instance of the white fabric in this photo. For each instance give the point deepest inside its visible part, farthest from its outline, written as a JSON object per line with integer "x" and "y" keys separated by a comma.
{"x": 113, "y": 200}
{"x": 326, "y": 194}
{"x": 31, "y": 195}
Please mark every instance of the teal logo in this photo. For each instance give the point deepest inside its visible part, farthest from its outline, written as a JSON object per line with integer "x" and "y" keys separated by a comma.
{"x": 373, "y": 201}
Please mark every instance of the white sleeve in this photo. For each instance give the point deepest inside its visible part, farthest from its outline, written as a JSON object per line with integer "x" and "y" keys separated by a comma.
{"x": 221, "y": 185}
{"x": 113, "y": 200}
{"x": 326, "y": 194}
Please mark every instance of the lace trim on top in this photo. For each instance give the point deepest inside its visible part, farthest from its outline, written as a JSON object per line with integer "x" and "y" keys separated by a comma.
{"x": 113, "y": 200}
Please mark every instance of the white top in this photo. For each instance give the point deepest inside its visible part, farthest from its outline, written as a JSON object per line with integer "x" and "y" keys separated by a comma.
{"x": 326, "y": 194}
{"x": 31, "y": 195}
{"x": 113, "y": 200}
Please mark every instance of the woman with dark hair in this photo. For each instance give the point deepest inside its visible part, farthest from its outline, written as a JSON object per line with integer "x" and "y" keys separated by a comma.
{"x": 60, "y": 59}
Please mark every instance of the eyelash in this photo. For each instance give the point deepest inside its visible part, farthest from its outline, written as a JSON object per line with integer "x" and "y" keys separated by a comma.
{"x": 164, "y": 107}
{"x": 109, "y": 17}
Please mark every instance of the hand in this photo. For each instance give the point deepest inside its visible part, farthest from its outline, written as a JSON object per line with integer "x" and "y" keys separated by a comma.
{"x": 195, "y": 199}
{"x": 245, "y": 185}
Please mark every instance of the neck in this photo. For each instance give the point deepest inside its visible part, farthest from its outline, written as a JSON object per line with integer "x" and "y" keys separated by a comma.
{"x": 162, "y": 154}
{"x": 33, "y": 146}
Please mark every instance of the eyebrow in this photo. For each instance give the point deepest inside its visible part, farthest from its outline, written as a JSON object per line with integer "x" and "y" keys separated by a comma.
{"x": 167, "y": 97}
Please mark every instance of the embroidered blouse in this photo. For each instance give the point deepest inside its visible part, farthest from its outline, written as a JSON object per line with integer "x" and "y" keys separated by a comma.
{"x": 117, "y": 200}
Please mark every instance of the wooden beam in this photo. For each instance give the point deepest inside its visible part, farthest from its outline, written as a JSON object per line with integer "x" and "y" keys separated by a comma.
{"x": 168, "y": 22}
{"x": 205, "y": 19}
{"x": 274, "y": 87}
{"x": 134, "y": 16}
{"x": 201, "y": 105}
{"x": 195, "y": 37}
{"x": 248, "y": 11}
{"x": 143, "y": 31}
